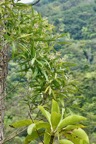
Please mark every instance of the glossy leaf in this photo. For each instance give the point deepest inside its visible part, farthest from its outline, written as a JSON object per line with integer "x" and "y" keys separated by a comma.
{"x": 55, "y": 119}
{"x": 45, "y": 113}
{"x": 70, "y": 120}
{"x": 47, "y": 137}
{"x": 21, "y": 123}
{"x": 55, "y": 107}
{"x": 72, "y": 127}
{"x": 77, "y": 136}
{"x": 31, "y": 128}
{"x": 41, "y": 124}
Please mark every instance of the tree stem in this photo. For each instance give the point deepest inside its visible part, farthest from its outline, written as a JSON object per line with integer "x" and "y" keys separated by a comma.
{"x": 52, "y": 139}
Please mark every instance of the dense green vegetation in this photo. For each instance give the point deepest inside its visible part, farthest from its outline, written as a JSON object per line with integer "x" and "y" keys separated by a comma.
{"x": 76, "y": 17}
{"x": 74, "y": 53}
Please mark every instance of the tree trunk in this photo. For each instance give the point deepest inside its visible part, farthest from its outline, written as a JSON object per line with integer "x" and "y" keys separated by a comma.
{"x": 3, "y": 73}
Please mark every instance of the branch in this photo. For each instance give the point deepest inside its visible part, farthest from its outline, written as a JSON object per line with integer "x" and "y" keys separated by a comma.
{"x": 13, "y": 135}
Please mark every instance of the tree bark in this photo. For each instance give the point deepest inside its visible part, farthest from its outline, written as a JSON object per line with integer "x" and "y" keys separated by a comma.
{"x": 3, "y": 74}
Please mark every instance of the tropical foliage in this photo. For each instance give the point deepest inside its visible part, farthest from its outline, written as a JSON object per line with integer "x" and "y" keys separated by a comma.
{"x": 67, "y": 130}
{"x": 52, "y": 63}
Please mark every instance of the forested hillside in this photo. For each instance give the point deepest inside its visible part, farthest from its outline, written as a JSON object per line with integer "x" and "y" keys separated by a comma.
{"x": 78, "y": 18}
{"x": 75, "y": 20}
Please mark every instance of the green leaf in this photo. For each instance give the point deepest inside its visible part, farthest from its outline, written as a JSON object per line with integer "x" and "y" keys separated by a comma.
{"x": 32, "y": 61}
{"x": 70, "y": 120}
{"x": 45, "y": 75}
{"x": 45, "y": 113}
{"x": 39, "y": 62}
{"x": 63, "y": 112}
{"x": 55, "y": 119}
{"x": 21, "y": 123}
{"x": 72, "y": 127}
{"x": 55, "y": 107}
{"x": 32, "y": 50}
{"x": 31, "y": 128}
{"x": 47, "y": 137}
{"x": 25, "y": 35}
{"x": 65, "y": 142}
{"x": 77, "y": 136}
{"x": 13, "y": 49}
{"x": 41, "y": 124}
{"x": 50, "y": 90}
{"x": 33, "y": 136}
{"x": 47, "y": 89}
